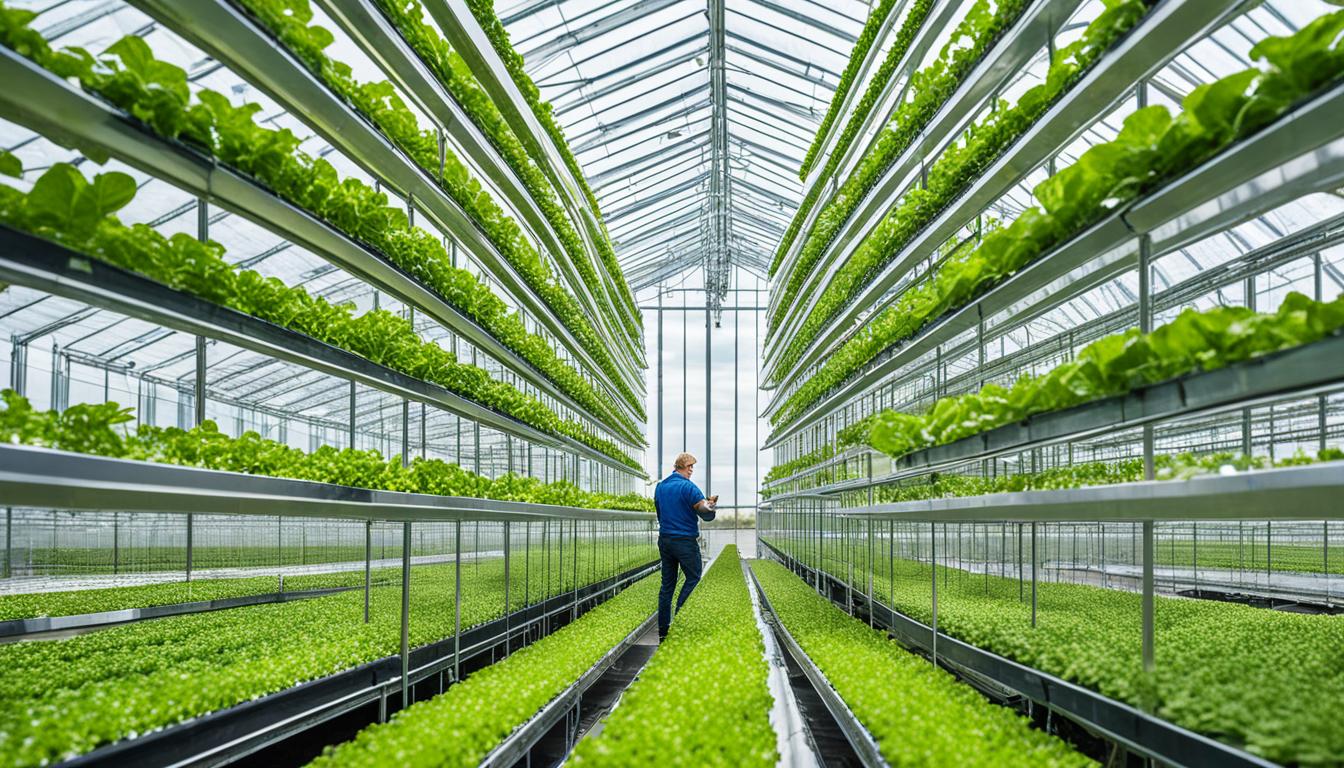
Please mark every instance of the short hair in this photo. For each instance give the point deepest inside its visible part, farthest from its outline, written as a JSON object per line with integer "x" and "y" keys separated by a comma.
{"x": 684, "y": 460}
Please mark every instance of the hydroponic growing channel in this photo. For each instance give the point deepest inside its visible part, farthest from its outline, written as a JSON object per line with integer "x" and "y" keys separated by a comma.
{"x": 349, "y": 339}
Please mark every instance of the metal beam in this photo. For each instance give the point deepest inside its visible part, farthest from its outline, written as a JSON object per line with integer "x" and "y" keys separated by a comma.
{"x": 717, "y": 256}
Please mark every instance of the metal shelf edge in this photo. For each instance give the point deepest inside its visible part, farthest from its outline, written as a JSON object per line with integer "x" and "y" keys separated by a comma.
{"x": 46, "y": 478}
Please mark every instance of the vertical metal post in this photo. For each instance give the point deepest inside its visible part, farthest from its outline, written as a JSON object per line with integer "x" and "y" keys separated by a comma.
{"x": 1148, "y": 595}
{"x": 368, "y": 566}
{"x": 199, "y": 401}
{"x": 658, "y": 451}
{"x": 868, "y": 567}
{"x": 405, "y": 433}
{"x": 736, "y": 498}
{"x": 352, "y": 415}
{"x": 1146, "y": 326}
{"x": 457, "y": 600}
{"x": 507, "y": 639}
{"x": 1033, "y": 574}
{"x": 405, "y": 613}
{"x": 574, "y": 535}
{"x": 9, "y": 543}
{"x": 709, "y": 399}
{"x": 933, "y": 569}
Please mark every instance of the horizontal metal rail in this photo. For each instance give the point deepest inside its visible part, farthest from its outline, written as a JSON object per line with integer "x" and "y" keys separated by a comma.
{"x": 44, "y": 624}
{"x": 1030, "y": 33}
{"x": 45, "y": 478}
{"x": 384, "y": 45}
{"x": 1300, "y": 371}
{"x": 1299, "y": 154}
{"x": 466, "y": 36}
{"x": 1139, "y": 731}
{"x": 1158, "y": 38}
{"x": 46, "y": 104}
{"x": 937, "y": 20}
{"x": 518, "y": 743}
{"x": 865, "y": 746}
{"x": 47, "y": 266}
{"x": 1310, "y": 492}
{"x": 229, "y": 36}
{"x": 226, "y": 735}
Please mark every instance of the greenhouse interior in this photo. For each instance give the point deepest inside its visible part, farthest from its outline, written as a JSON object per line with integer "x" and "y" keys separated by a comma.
{"x": 729, "y": 383}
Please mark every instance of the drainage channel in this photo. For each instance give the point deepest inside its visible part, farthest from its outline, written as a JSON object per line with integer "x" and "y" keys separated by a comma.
{"x": 830, "y": 733}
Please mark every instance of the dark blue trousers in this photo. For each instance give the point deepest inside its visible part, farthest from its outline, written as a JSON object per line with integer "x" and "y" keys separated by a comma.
{"x": 683, "y": 552}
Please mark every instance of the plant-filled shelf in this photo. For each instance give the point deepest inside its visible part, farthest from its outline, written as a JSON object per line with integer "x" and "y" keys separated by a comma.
{"x": 385, "y": 46}
{"x": 1142, "y": 732}
{"x": 45, "y": 478}
{"x": 229, "y": 734}
{"x": 1160, "y": 35}
{"x": 233, "y": 39}
{"x": 1300, "y": 371}
{"x": 1006, "y": 58}
{"x": 56, "y": 110}
{"x": 47, "y": 266}
{"x": 1298, "y": 154}
{"x": 878, "y": 115}
{"x": 466, "y": 36}
{"x": 1285, "y": 493}
{"x": 520, "y": 742}
{"x": 43, "y": 624}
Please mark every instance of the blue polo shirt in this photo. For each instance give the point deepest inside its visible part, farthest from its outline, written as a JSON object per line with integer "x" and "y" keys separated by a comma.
{"x": 674, "y": 500}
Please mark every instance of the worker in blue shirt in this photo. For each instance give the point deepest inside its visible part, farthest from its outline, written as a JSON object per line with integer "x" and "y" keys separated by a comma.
{"x": 677, "y": 502}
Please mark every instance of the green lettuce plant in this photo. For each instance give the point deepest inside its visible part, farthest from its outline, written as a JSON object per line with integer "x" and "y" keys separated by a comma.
{"x": 292, "y": 22}
{"x": 408, "y": 17}
{"x": 98, "y": 429}
{"x": 1115, "y": 365}
{"x": 928, "y": 90}
{"x": 156, "y": 92}
{"x": 65, "y": 207}
{"x": 462, "y": 725}
{"x": 1261, "y": 680}
{"x": 1152, "y": 147}
{"x": 60, "y": 699}
{"x": 919, "y": 714}
{"x": 710, "y": 672}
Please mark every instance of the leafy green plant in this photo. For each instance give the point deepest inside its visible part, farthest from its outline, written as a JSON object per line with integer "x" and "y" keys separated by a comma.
{"x": 715, "y": 649}
{"x": 65, "y": 207}
{"x": 1115, "y": 365}
{"x": 408, "y": 17}
{"x": 62, "y": 698}
{"x": 857, "y": 55}
{"x": 93, "y": 429}
{"x": 928, "y": 90}
{"x": 291, "y": 22}
{"x": 918, "y": 713}
{"x": 484, "y": 11}
{"x": 131, "y": 78}
{"x": 1233, "y": 672}
{"x": 914, "y": 19}
{"x": 461, "y": 726}
{"x": 1151, "y": 148}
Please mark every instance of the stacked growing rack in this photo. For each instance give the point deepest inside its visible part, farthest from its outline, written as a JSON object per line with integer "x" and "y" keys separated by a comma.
{"x": 1054, "y": 337}
{"x": 320, "y": 359}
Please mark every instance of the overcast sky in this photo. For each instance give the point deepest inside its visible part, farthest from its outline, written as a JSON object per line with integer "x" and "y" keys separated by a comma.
{"x": 684, "y": 391}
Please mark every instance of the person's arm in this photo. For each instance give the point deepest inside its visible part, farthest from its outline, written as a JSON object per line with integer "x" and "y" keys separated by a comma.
{"x": 705, "y": 508}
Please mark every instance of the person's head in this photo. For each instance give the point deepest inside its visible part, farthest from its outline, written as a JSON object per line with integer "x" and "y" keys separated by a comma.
{"x": 684, "y": 465}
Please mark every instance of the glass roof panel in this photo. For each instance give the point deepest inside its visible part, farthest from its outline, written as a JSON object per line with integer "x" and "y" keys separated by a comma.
{"x": 631, "y": 87}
